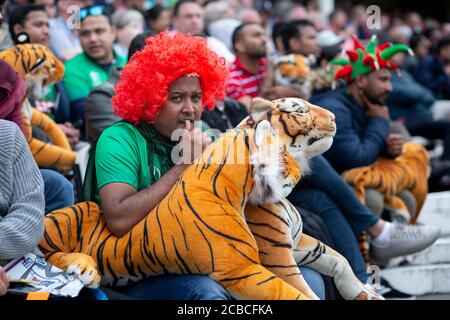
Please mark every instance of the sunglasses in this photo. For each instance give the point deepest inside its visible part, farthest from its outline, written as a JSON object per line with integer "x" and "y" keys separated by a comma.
{"x": 91, "y": 11}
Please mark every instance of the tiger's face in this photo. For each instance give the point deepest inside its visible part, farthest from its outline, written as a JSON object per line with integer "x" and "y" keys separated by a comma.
{"x": 276, "y": 172}
{"x": 307, "y": 130}
{"x": 37, "y": 65}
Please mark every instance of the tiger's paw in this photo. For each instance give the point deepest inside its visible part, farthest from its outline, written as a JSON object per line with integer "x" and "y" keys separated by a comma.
{"x": 84, "y": 267}
{"x": 368, "y": 293}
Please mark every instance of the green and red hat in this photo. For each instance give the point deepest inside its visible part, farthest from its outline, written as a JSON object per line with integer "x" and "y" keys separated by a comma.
{"x": 365, "y": 60}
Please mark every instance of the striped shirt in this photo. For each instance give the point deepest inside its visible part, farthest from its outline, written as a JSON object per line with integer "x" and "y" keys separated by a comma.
{"x": 243, "y": 83}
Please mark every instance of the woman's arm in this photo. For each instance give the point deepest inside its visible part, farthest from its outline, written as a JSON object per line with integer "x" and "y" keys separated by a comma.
{"x": 124, "y": 207}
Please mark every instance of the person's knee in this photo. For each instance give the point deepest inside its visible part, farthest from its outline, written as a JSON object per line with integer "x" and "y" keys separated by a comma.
{"x": 374, "y": 201}
{"x": 205, "y": 288}
{"x": 315, "y": 281}
{"x": 409, "y": 200}
{"x": 58, "y": 190}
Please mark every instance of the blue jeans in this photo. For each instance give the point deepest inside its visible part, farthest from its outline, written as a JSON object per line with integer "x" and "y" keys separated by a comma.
{"x": 58, "y": 190}
{"x": 314, "y": 280}
{"x": 327, "y": 180}
{"x": 198, "y": 287}
{"x": 325, "y": 193}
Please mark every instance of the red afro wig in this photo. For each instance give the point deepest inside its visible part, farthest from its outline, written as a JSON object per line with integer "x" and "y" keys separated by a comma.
{"x": 145, "y": 80}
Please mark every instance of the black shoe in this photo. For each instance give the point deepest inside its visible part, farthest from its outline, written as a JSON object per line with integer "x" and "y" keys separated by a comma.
{"x": 389, "y": 293}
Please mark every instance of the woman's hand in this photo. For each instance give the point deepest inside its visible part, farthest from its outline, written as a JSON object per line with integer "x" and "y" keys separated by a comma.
{"x": 193, "y": 142}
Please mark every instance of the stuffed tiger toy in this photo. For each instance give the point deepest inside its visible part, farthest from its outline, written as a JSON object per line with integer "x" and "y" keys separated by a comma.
{"x": 409, "y": 171}
{"x": 294, "y": 70}
{"x": 200, "y": 226}
{"x": 38, "y": 66}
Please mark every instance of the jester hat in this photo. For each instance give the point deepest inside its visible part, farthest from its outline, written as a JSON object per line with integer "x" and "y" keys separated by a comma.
{"x": 365, "y": 60}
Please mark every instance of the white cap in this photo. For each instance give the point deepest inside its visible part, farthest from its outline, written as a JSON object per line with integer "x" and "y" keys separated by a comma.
{"x": 328, "y": 38}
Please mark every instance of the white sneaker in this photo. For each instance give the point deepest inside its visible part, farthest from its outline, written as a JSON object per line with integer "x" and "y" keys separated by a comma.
{"x": 405, "y": 239}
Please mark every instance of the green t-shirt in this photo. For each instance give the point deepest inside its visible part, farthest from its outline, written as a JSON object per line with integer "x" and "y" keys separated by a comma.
{"x": 131, "y": 155}
{"x": 82, "y": 74}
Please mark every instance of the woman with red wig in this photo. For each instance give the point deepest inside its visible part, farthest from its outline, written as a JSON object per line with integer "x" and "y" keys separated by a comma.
{"x": 164, "y": 87}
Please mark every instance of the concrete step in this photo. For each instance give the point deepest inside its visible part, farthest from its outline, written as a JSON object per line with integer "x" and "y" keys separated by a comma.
{"x": 437, "y": 253}
{"x": 420, "y": 280}
{"x": 436, "y": 210}
{"x": 427, "y": 273}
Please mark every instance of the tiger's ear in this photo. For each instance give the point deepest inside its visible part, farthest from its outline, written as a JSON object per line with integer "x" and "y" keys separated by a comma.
{"x": 259, "y": 107}
{"x": 262, "y": 132}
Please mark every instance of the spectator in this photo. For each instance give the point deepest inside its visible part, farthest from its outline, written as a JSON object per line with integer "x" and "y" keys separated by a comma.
{"x": 297, "y": 12}
{"x": 94, "y": 65}
{"x": 151, "y": 128}
{"x": 300, "y": 37}
{"x": 420, "y": 45}
{"x": 33, "y": 20}
{"x": 55, "y": 102}
{"x": 127, "y": 5}
{"x": 223, "y": 30}
{"x": 216, "y": 11}
{"x": 128, "y": 23}
{"x": 362, "y": 119}
{"x": 58, "y": 191}
{"x": 281, "y": 9}
{"x": 12, "y": 93}
{"x": 415, "y": 22}
{"x": 338, "y": 20}
{"x": 11, "y": 5}
{"x": 317, "y": 19}
{"x": 249, "y": 15}
{"x": 433, "y": 71}
{"x": 249, "y": 74}
{"x": 64, "y": 40}
{"x": 188, "y": 18}
{"x": 277, "y": 41}
{"x": 363, "y": 128}
{"x": 409, "y": 101}
{"x": 400, "y": 34}
{"x": 5, "y": 38}
{"x": 157, "y": 18}
{"x": 248, "y": 70}
{"x": 220, "y": 22}
{"x": 359, "y": 20}
{"x": 411, "y": 104}
{"x": 22, "y": 196}
{"x": 186, "y": 98}
{"x": 99, "y": 110}
{"x": 49, "y": 6}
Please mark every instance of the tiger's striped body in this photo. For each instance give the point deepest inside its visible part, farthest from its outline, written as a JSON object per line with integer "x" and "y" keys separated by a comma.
{"x": 225, "y": 217}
